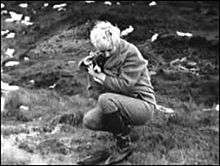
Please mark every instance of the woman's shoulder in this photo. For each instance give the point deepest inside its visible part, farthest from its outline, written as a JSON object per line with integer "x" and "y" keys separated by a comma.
{"x": 127, "y": 47}
{"x": 130, "y": 49}
{"x": 131, "y": 52}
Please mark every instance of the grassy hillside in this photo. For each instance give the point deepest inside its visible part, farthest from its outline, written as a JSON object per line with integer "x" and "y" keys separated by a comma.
{"x": 57, "y": 41}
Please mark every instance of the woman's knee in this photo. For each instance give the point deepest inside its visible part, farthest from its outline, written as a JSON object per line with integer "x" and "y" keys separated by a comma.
{"x": 107, "y": 103}
{"x": 92, "y": 120}
{"x": 103, "y": 98}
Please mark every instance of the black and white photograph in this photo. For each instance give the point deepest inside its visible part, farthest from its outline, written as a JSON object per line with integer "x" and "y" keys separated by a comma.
{"x": 109, "y": 82}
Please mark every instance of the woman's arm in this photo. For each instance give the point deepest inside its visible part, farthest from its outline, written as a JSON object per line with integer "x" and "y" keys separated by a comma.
{"x": 130, "y": 73}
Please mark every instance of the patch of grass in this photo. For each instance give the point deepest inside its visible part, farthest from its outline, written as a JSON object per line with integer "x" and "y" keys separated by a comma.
{"x": 43, "y": 103}
{"x": 190, "y": 137}
{"x": 176, "y": 140}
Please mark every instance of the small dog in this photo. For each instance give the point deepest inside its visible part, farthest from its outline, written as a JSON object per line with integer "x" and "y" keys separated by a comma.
{"x": 96, "y": 59}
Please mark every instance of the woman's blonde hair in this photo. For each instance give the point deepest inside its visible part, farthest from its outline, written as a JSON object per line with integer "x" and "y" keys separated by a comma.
{"x": 105, "y": 36}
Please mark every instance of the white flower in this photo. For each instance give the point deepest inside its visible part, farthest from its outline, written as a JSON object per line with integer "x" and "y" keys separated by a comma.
{"x": 154, "y": 37}
{"x": 118, "y": 3}
{"x": 153, "y": 3}
{"x": 32, "y": 81}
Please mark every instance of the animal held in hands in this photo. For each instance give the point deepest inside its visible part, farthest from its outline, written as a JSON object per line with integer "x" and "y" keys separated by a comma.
{"x": 95, "y": 59}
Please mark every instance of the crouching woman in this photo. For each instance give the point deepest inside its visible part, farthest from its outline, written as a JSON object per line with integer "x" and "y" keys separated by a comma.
{"x": 128, "y": 98}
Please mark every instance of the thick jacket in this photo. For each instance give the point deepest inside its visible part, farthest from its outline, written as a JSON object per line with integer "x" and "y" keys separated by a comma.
{"x": 126, "y": 73}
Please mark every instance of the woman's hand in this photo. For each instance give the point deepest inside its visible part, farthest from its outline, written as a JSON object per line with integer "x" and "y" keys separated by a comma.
{"x": 98, "y": 77}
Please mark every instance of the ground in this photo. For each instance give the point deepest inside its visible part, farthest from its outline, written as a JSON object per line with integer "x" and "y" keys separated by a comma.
{"x": 57, "y": 41}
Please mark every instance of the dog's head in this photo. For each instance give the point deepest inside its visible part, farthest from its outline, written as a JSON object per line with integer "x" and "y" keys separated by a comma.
{"x": 96, "y": 59}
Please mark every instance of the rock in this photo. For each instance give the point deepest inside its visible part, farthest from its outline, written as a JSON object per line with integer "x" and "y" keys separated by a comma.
{"x": 52, "y": 86}
{"x": 4, "y": 32}
{"x": 12, "y": 63}
{"x": 108, "y": 3}
{"x": 89, "y": 1}
{"x": 6, "y": 87}
{"x": 2, "y": 103}
{"x": 4, "y": 12}
{"x": 15, "y": 16}
{"x": 24, "y": 108}
{"x": 217, "y": 107}
{"x": 10, "y": 52}
{"x": 32, "y": 81}
{"x": 153, "y": 3}
{"x": 2, "y": 5}
{"x": 46, "y": 4}
{"x": 154, "y": 37}
{"x": 127, "y": 31}
{"x": 26, "y": 59}
{"x": 23, "y": 5}
{"x": 184, "y": 34}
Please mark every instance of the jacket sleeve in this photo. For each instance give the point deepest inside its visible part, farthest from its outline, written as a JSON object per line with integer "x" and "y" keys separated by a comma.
{"x": 129, "y": 74}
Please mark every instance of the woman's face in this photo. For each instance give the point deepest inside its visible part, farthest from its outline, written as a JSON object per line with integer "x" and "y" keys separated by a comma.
{"x": 108, "y": 52}
{"x": 103, "y": 42}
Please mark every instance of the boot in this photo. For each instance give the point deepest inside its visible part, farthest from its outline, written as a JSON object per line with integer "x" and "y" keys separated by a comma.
{"x": 115, "y": 124}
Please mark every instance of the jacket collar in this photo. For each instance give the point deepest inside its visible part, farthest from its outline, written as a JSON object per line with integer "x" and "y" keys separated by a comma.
{"x": 116, "y": 57}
